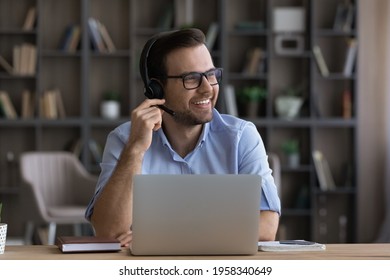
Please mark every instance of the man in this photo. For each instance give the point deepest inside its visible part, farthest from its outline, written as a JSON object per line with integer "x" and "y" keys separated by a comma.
{"x": 178, "y": 131}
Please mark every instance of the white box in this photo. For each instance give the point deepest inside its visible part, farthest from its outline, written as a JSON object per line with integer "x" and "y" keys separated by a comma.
{"x": 289, "y": 19}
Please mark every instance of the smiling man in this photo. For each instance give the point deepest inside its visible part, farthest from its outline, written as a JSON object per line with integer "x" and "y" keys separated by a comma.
{"x": 177, "y": 130}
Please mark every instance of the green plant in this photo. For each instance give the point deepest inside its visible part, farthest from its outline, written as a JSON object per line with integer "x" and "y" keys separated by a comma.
{"x": 111, "y": 96}
{"x": 252, "y": 93}
{"x": 290, "y": 146}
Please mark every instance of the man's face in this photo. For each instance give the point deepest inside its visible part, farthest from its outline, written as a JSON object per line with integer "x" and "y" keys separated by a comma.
{"x": 194, "y": 106}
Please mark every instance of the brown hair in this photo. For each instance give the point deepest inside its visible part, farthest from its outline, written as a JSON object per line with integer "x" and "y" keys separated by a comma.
{"x": 159, "y": 46}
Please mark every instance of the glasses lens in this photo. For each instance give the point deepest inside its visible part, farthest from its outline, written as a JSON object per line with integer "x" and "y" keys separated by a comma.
{"x": 214, "y": 76}
{"x": 192, "y": 80}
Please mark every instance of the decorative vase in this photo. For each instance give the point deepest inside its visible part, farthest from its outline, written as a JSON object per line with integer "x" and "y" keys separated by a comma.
{"x": 110, "y": 109}
{"x": 288, "y": 106}
{"x": 3, "y": 237}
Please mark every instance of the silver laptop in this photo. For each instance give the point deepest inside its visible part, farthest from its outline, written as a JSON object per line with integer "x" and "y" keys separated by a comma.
{"x": 195, "y": 214}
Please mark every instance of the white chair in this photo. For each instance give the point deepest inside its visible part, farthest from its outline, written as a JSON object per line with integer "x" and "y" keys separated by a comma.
{"x": 61, "y": 188}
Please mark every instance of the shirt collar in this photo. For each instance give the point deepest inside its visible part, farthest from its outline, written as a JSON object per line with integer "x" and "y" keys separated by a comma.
{"x": 202, "y": 138}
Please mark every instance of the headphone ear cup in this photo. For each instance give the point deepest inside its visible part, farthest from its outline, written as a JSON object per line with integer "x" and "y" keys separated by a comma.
{"x": 154, "y": 90}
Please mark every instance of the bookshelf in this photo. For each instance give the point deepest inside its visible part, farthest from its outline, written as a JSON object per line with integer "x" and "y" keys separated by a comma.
{"x": 328, "y": 113}
{"x": 83, "y": 76}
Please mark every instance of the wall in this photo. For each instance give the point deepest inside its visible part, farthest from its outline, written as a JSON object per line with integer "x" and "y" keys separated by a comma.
{"x": 374, "y": 31}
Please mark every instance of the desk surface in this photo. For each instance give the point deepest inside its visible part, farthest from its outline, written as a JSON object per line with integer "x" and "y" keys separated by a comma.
{"x": 332, "y": 252}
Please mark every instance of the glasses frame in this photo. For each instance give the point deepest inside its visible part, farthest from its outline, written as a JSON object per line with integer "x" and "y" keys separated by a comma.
{"x": 204, "y": 74}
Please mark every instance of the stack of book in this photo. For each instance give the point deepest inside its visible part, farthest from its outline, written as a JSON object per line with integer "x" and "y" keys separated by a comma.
{"x": 71, "y": 39}
{"x": 51, "y": 105}
{"x": 101, "y": 39}
{"x": 24, "y": 58}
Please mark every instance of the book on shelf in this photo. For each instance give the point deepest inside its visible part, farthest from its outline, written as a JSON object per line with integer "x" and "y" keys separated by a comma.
{"x": 65, "y": 38}
{"x": 350, "y": 57}
{"x": 28, "y": 104}
{"x": 347, "y": 104}
{"x": 343, "y": 19}
{"x": 61, "y": 113}
{"x": 70, "y": 38}
{"x": 325, "y": 177}
{"x": 320, "y": 61}
{"x": 24, "y": 59}
{"x": 75, "y": 39}
{"x": 48, "y": 108}
{"x": 7, "y": 106}
{"x": 51, "y": 105}
{"x": 254, "y": 63}
{"x": 107, "y": 40}
{"x": 7, "y": 67}
{"x": 74, "y": 244}
{"x": 16, "y": 51}
{"x": 100, "y": 37}
{"x": 290, "y": 245}
{"x": 230, "y": 100}
{"x": 95, "y": 36}
{"x": 211, "y": 35}
{"x": 32, "y": 59}
{"x": 30, "y": 19}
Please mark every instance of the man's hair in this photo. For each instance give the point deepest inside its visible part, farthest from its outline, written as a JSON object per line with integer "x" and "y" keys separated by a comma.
{"x": 167, "y": 42}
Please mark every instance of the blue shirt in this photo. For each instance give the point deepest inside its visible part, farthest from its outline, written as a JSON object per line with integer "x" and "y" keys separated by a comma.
{"x": 228, "y": 145}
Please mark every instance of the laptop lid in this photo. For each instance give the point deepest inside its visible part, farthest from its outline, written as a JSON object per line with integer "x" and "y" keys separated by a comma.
{"x": 195, "y": 214}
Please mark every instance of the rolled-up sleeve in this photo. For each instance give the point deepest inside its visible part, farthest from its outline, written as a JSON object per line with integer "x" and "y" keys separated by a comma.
{"x": 254, "y": 160}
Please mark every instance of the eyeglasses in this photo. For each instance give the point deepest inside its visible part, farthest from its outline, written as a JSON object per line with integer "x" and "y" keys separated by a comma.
{"x": 193, "y": 80}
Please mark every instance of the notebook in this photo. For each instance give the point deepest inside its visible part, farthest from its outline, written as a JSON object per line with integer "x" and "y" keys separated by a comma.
{"x": 195, "y": 214}
{"x": 72, "y": 244}
{"x": 290, "y": 245}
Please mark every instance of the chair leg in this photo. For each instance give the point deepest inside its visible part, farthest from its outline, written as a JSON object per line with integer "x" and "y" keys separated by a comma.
{"x": 77, "y": 229}
{"x": 52, "y": 233}
{"x": 29, "y": 233}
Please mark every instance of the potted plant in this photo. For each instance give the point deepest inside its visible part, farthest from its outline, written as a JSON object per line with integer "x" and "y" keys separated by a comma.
{"x": 3, "y": 233}
{"x": 110, "y": 106}
{"x": 289, "y": 103}
{"x": 250, "y": 97}
{"x": 290, "y": 148}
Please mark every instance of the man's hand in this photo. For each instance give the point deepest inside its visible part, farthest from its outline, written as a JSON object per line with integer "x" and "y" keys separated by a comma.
{"x": 125, "y": 238}
{"x": 145, "y": 119}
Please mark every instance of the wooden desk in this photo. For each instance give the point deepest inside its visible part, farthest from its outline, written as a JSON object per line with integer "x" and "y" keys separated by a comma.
{"x": 333, "y": 252}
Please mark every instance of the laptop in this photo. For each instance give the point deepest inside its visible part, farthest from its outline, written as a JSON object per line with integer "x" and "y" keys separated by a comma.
{"x": 195, "y": 214}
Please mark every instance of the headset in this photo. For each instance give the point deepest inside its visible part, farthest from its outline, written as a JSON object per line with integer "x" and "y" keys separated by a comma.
{"x": 152, "y": 88}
